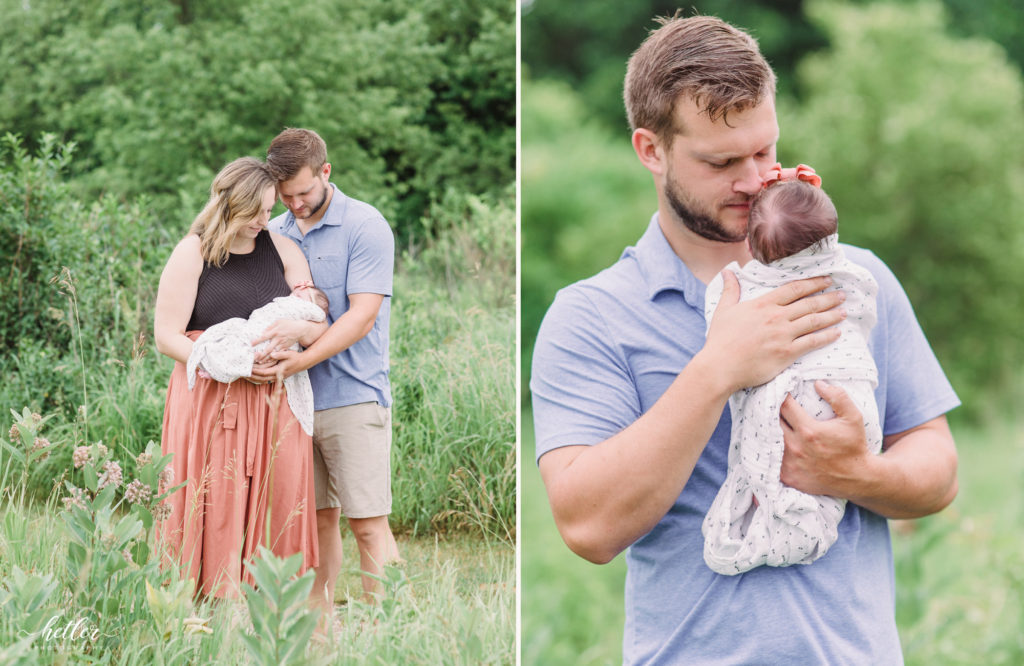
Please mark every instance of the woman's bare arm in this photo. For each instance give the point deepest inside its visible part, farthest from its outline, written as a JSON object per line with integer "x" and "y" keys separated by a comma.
{"x": 176, "y": 297}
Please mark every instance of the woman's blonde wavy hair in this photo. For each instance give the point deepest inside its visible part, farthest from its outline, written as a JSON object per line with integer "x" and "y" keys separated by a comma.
{"x": 236, "y": 197}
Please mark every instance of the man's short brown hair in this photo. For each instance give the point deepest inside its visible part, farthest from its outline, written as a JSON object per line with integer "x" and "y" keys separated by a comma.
{"x": 717, "y": 65}
{"x": 293, "y": 149}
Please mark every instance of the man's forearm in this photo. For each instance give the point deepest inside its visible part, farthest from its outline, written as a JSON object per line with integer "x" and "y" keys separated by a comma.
{"x": 341, "y": 335}
{"x": 605, "y": 497}
{"x": 914, "y": 477}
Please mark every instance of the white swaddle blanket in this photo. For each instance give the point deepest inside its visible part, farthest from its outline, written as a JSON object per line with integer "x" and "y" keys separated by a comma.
{"x": 787, "y": 526}
{"x": 225, "y": 350}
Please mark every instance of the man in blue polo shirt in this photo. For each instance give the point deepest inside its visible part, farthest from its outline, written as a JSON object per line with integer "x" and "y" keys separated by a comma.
{"x": 350, "y": 248}
{"x": 630, "y": 396}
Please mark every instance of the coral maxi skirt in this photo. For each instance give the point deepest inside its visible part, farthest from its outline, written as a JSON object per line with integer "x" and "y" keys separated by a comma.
{"x": 249, "y": 469}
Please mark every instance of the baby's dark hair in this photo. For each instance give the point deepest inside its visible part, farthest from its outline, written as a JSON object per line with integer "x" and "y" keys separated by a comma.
{"x": 787, "y": 217}
{"x": 320, "y": 298}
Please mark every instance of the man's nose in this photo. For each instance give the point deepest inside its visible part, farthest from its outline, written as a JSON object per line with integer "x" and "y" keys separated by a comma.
{"x": 748, "y": 180}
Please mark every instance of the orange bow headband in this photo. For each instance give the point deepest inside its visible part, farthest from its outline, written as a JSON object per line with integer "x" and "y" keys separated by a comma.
{"x": 802, "y": 172}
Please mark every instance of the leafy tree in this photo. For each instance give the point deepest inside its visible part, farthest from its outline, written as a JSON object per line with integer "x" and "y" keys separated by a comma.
{"x": 588, "y": 44}
{"x": 413, "y": 98}
{"x": 923, "y": 162}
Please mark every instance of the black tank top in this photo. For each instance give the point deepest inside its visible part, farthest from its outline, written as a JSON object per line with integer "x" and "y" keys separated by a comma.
{"x": 243, "y": 283}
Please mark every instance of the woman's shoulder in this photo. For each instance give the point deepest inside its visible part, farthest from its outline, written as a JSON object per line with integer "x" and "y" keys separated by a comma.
{"x": 188, "y": 249}
{"x": 186, "y": 259}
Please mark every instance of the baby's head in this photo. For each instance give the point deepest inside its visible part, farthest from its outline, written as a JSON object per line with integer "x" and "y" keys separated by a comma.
{"x": 787, "y": 217}
{"x": 306, "y": 291}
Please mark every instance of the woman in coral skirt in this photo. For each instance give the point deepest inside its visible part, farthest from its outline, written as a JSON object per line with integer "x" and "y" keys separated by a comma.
{"x": 246, "y": 461}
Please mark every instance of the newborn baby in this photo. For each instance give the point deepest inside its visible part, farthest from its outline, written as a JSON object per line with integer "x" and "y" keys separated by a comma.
{"x": 755, "y": 519}
{"x": 224, "y": 352}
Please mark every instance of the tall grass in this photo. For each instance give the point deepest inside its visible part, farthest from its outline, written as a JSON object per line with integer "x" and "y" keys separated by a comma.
{"x": 960, "y": 592}
{"x": 572, "y": 610}
{"x": 451, "y": 603}
{"x": 453, "y": 373}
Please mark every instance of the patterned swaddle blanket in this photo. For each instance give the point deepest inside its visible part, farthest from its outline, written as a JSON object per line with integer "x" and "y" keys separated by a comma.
{"x": 785, "y": 526}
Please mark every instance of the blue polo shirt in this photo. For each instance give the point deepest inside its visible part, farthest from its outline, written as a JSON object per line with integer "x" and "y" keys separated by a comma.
{"x": 607, "y": 349}
{"x": 351, "y": 250}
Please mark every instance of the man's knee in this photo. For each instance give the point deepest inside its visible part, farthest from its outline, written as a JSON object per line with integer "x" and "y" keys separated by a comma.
{"x": 368, "y": 529}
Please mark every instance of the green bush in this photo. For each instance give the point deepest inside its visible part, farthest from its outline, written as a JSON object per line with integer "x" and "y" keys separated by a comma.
{"x": 584, "y": 199}
{"x": 81, "y": 280}
{"x": 412, "y": 97}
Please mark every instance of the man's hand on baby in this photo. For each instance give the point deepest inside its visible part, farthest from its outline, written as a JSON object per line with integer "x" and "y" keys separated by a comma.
{"x": 285, "y": 364}
{"x": 754, "y": 340}
{"x": 262, "y": 372}
{"x": 824, "y": 457}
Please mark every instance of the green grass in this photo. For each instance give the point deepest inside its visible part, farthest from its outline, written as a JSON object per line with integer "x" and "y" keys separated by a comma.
{"x": 959, "y": 574}
{"x": 960, "y": 587}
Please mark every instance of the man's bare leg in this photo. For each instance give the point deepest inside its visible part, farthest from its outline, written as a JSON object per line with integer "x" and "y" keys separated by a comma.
{"x": 377, "y": 547}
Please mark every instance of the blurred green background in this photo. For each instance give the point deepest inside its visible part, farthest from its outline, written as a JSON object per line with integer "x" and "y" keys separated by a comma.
{"x": 913, "y": 114}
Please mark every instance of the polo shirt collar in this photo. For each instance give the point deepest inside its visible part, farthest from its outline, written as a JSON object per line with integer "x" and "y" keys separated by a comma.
{"x": 663, "y": 270}
{"x": 333, "y": 216}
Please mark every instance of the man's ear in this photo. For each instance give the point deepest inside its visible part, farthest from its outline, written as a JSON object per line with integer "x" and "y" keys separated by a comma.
{"x": 325, "y": 171}
{"x": 649, "y": 150}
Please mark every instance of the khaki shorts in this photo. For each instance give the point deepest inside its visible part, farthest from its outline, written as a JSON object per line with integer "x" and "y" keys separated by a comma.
{"x": 352, "y": 460}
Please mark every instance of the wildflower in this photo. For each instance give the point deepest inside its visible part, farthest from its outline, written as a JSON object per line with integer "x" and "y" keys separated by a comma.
{"x": 40, "y": 444}
{"x": 166, "y": 477}
{"x": 108, "y": 540}
{"x": 127, "y": 555}
{"x": 82, "y": 456}
{"x": 81, "y": 412}
{"x": 77, "y": 498}
{"x": 143, "y": 459}
{"x": 36, "y": 417}
{"x": 101, "y": 450}
{"x": 111, "y": 474}
{"x": 161, "y": 511}
{"x": 137, "y": 492}
{"x": 14, "y": 434}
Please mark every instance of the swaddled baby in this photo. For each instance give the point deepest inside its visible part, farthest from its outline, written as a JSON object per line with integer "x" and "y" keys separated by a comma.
{"x": 755, "y": 519}
{"x": 224, "y": 352}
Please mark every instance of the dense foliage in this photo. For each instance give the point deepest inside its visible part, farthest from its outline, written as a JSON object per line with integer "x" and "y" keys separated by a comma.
{"x": 918, "y": 134}
{"x": 413, "y": 98}
{"x": 588, "y": 44}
